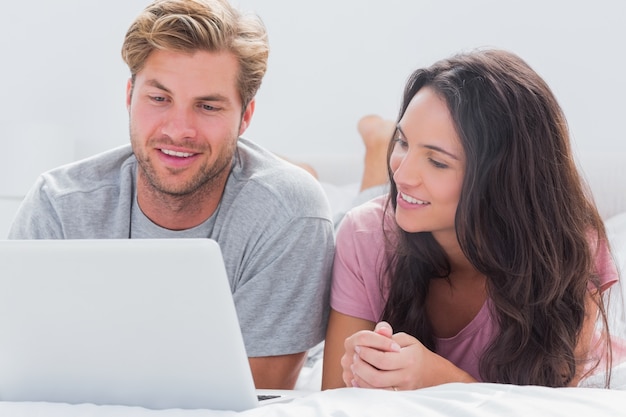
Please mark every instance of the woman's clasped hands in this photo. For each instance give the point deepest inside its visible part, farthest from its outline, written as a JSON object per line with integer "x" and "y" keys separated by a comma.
{"x": 381, "y": 359}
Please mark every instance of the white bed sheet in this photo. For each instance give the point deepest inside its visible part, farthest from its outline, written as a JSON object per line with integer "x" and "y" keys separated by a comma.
{"x": 458, "y": 400}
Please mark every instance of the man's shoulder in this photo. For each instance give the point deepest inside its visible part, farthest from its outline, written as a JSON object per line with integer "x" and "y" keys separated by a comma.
{"x": 103, "y": 162}
{"x": 258, "y": 170}
{"x": 101, "y": 170}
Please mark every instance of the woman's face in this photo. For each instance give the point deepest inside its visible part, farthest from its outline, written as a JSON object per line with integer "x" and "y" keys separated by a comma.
{"x": 428, "y": 164}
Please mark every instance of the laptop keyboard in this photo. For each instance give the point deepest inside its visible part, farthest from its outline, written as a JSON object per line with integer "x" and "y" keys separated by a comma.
{"x": 263, "y": 397}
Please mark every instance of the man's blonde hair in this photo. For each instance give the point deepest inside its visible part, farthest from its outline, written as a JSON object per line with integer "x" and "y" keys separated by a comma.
{"x": 200, "y": 25}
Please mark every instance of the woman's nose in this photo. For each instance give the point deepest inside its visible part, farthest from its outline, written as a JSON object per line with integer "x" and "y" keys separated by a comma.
{"x": 407, "y": 171}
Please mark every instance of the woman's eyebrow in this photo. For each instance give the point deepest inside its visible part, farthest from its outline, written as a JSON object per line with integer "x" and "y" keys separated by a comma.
{"x": 432, "y": 147}
{"x": 438, "y": 149}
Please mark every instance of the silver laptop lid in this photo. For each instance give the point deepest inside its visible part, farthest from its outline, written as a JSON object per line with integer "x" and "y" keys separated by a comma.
{"x": 145, "y": 322}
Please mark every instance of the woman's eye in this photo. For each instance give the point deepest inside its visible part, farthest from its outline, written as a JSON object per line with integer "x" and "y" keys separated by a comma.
{"x": 399, "y": 140}
{"x": 403, "y": 143}
{"x": 437, "y": 164}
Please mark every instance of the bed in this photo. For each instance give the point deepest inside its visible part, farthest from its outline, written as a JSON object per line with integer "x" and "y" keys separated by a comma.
{"x": 606, "y": 175}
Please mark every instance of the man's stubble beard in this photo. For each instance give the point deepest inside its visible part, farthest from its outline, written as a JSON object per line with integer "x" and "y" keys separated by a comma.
{"x": 209, "y": 177}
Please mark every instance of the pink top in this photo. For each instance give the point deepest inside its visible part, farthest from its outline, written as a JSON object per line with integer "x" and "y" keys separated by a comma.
{"x": 357, "y": 291}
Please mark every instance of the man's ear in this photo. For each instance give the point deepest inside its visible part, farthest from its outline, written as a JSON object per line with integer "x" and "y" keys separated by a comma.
{"x": 246, "y": 118}
{"x": 129, "y": 92}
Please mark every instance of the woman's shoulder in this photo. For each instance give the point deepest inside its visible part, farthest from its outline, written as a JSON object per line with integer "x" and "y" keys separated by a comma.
{"x": 367, "y": 217}
{"x": 366, "y": 229}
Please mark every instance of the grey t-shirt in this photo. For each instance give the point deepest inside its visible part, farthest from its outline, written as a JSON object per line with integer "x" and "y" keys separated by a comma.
{"x": 273, "y": 225}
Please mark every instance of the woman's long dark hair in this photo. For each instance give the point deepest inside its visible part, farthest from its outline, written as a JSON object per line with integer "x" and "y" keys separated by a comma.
{"x": 524, "y": 220}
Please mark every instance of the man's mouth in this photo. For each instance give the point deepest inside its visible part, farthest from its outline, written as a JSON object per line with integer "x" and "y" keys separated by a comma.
{"x": 177, "y": 154}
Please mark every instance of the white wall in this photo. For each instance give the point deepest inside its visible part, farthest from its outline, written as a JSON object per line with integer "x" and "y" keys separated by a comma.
{"x": 331, "y": 62}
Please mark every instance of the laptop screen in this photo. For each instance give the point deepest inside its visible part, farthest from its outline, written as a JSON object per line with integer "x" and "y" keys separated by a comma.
{"x": 145, "y": 322}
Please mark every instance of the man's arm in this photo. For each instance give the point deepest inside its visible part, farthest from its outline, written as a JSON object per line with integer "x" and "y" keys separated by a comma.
{"x": 277, "y": 372}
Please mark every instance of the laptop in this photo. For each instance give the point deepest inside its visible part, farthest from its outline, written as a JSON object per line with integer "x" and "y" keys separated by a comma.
{"x": 136, "y": 322}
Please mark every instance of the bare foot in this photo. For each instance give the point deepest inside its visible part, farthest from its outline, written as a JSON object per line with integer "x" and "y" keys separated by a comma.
{"x": 376, "y": 133}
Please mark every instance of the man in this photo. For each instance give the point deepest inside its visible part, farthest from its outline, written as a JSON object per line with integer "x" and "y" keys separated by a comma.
{"x": 196, "y": 66}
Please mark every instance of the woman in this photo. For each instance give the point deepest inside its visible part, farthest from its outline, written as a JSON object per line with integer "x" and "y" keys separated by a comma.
{"x": 487, "y": 259}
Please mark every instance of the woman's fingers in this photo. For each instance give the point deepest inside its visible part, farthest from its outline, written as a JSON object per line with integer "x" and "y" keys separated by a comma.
{"x": 368, "y": 375}
{"x": 372, "y": 340}
{"x": 384, "y": 328}
{"x": 380, "y": 359}
{"x": 375, "y": 368}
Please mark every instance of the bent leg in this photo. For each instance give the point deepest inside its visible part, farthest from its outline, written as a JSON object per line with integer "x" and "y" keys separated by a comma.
{"x": 376, "y": 133}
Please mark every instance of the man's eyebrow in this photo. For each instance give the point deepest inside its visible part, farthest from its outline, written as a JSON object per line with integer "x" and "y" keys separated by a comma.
{"x": 155, "y": 83}
{"x": 432, "y": 147}
{"x": 212, "y": 97}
